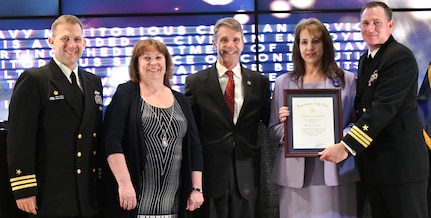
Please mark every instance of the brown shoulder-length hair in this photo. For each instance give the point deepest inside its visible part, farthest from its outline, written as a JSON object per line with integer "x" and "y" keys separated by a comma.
{"x": 140, "y": 49}
{"x": 328, "y": 64}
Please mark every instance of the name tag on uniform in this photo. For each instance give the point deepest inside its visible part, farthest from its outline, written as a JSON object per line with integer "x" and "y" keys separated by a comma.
{"x": 57, "y": 97}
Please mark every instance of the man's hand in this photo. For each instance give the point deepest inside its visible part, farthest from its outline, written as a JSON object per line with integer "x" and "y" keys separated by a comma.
{"x": 196, "y": 199}
{"x": 334, "y": 153}
{"x": 27, "y": 204}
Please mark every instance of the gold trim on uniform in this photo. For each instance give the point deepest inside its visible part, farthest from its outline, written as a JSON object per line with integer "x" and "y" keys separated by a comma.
{"x": 360, "y": 136}
{"x": 426, "y": 136}
{"x": 365, "y": 127}
{"x": 23, "y": 182}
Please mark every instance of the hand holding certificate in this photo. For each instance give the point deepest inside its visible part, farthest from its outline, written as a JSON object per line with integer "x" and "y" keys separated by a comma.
{"x": 334, "y": 153}
{"x": 314, "y": 121}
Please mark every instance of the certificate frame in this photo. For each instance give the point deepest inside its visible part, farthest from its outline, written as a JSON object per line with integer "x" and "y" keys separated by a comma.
{"x": 310, "y": 111}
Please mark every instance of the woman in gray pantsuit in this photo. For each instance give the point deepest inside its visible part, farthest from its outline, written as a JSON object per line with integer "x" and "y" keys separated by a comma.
{"x": 309, "y": 187}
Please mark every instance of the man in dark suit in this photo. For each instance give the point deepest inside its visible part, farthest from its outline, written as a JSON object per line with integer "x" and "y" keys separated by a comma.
{"x": 229, "y": 130}
{"x": 387, "y": 136}
{"x": 55, "y": 116}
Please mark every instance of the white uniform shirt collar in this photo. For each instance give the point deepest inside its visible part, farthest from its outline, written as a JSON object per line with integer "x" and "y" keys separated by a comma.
{"x": 66, "y": 71}
{"x": 373, "y": 53}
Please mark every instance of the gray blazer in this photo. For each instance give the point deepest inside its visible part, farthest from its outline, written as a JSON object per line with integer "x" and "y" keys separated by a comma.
{"x": 290, "y": 171}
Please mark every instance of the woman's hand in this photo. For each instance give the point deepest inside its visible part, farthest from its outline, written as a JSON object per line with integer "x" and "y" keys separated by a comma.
{"x": 126, "y": 192}
{"x": 196, "y": 199}
{"x": 283, "y": 113}
{"x": 127, "y": 196}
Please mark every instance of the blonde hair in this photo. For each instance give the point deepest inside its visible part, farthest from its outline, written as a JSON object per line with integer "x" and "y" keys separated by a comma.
{"x": 67, "y": 18}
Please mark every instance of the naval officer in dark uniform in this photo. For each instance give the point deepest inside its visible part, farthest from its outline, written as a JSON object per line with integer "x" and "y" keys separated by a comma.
{"x": 55, "y": 116}
{"x": 387, "y": 136}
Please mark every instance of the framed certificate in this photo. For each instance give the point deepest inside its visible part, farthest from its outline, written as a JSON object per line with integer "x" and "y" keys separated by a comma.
{"x": 314, "y": 121}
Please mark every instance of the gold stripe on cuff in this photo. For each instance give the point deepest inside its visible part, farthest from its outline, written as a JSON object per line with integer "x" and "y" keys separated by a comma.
{"x": 22, "y": 178}
{"x": 24, "y": 186}
{"x": 360, "y": 136}
{"x": 22, "y": 182}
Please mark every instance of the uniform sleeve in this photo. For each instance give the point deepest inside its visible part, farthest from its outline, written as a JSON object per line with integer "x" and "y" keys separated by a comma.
{"x": 393, "y": 96}
{"x": 21, "y": 139}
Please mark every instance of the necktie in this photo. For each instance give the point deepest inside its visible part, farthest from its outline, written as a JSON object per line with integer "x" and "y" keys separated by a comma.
{"x": 367, "y": 63}
{"x": 74, "y": 83}
{"x": 229, "y": 93}
{"x": 77, "y": 98}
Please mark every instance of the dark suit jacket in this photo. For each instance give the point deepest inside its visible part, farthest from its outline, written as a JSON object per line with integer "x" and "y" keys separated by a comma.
{"x": 224, "y": 141}
{"x": 123, "y": 134}
{"x": 387, "y": 135}
{"x": 51, "y": 147}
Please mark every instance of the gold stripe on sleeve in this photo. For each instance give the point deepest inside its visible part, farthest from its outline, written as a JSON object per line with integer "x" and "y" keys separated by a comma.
{"x": 23, "y": 182}
{"x": 24, "y": 186}
{"x": 22, "y": 178}
{"x": 13, "y": 184}
{"x": 360, "y": 136}
{"x": 427, "y": 137}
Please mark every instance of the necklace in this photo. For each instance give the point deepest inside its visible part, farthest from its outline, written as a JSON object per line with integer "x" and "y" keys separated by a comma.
{"x": 164, "y": 135}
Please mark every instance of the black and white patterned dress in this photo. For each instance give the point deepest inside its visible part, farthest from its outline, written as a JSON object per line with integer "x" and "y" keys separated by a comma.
{"x": 161, "y": 176}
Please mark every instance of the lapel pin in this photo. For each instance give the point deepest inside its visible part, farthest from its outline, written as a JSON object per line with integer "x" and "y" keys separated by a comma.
{"x": 55, "y": 92}
{"x": 336, "y": 82}
{"x": 249, "y": 82}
